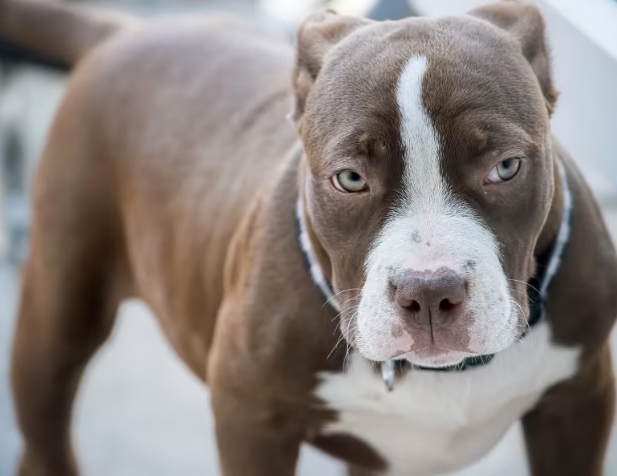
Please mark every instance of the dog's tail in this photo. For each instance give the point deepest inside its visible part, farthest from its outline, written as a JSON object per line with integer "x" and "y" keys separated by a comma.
{"x": 60, "y": 31}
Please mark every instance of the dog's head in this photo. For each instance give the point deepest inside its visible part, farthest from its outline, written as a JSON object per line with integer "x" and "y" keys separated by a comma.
{"x": 429, "y": 176}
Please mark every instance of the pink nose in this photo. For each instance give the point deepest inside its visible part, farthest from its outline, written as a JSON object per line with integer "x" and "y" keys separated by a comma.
{"x": 429, "y": 299}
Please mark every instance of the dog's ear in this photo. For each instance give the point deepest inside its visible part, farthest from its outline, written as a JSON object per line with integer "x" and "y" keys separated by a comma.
{"x": 316, "y": 37}
{"x": 524, "y": 21}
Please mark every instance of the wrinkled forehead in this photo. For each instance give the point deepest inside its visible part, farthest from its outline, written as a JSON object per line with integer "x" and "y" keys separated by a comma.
{"x": 471, "y": 80}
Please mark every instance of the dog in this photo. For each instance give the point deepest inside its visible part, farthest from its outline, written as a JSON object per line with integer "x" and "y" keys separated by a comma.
{"x": 371, "y": 244}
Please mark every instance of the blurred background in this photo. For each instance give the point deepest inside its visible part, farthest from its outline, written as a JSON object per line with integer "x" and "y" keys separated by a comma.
{"x": 139, "y": 411}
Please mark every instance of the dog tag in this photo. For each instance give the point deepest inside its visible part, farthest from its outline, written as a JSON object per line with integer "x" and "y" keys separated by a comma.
{"x": 387, "y": 373}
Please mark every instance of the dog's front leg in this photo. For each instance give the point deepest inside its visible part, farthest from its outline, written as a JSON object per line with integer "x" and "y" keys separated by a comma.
{"x": 252, "y": 441}
{"x": 567, "y": 433}
{"x": 257, "y": 431}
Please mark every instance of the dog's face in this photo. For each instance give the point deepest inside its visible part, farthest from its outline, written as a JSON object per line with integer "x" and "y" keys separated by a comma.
{"x": 429, "y": 175}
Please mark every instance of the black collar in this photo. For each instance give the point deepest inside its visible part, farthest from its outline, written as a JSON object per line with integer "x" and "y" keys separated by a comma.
{"x": 547, "y": 265}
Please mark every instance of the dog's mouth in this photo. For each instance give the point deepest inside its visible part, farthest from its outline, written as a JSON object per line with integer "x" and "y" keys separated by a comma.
{"x": 382, "y": 339}
{"x": 435, "y": 357}
{"x": 433, "y": 354}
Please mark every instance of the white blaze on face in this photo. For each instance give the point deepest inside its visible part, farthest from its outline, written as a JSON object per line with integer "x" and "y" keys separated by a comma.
{"x": 431, "y": 230}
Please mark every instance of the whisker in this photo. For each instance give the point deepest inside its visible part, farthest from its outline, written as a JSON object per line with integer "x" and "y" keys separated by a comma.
{"x": 520, "y": 292}
{"x": 338, "y": 294}
{"x": 525, "y": 283}
{"x": 523, "y": 327}
{"x": 339, "y": 340}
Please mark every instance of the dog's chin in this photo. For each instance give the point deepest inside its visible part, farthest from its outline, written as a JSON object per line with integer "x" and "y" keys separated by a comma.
{"x": 435, "y": 359}
{"x": 433, "y": 356}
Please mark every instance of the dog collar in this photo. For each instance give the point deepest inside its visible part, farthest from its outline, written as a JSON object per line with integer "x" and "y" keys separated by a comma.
{"x": 547, "y": 266}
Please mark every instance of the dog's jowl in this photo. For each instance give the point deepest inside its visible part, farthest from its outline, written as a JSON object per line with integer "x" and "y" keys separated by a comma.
{"x": 372, "y": 244}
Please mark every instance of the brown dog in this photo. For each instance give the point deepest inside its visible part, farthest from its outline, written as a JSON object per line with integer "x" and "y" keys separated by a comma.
{"x": 421, "y": 192}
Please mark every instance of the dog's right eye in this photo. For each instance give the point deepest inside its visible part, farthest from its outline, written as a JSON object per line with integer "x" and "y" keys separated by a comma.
{"x": 349, "y": 181}
{"x": 504, "y": 171}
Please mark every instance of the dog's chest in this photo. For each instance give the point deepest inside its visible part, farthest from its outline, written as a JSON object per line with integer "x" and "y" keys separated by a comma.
{"x": 436, "y": 422}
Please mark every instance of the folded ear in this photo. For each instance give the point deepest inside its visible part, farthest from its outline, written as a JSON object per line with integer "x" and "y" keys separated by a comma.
{"x": 316, "y": 37}
{"x": 524, "y": 21}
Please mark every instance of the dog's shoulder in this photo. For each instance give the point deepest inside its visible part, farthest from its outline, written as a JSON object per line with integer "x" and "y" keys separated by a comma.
{"x": 271, "y": 309}
{"x": 582, "y": 304}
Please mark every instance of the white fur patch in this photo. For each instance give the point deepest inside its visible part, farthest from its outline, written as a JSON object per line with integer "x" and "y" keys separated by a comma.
{"x": 431, "y": 230}
{"x": 437, "y": 422}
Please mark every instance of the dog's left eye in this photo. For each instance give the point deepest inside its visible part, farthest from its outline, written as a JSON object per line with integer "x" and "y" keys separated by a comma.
{"x": 349, "y": 181}
{"x": 505, "y": 170}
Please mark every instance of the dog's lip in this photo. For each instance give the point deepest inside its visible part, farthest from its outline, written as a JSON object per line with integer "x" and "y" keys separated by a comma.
{"x": 433, "y": 351}
{"x": 437, "y": 359}
{"x": 434, "y": 356}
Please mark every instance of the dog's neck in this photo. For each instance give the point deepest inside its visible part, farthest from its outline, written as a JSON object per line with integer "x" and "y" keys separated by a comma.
{"x": 555, "y": 215}
{"x": 315, "y": 256}
{"x": 317, "y": 260}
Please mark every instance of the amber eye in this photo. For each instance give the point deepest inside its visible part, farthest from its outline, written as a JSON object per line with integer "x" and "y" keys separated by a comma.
{"x": 349, "y": 181}
{"x": 505, "y": 170}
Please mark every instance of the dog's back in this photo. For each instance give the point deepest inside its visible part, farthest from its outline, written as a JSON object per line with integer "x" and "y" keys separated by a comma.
{"x": 195, "y": 118}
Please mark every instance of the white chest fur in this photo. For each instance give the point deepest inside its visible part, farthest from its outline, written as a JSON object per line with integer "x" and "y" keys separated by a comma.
{"x": 437, "y": 422}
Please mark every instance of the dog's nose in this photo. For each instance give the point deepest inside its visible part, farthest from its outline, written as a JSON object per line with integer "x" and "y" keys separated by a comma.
{"x": 429, "y": 299}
